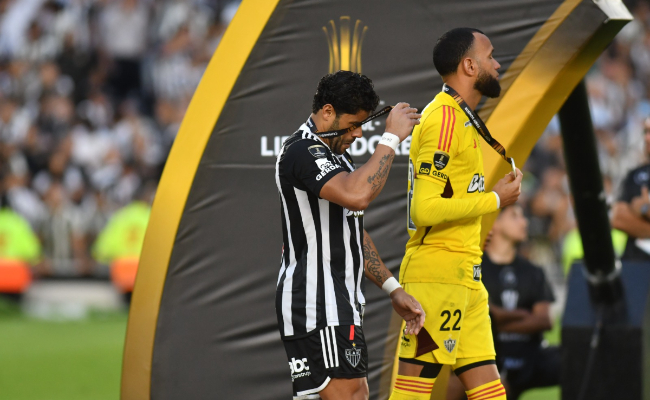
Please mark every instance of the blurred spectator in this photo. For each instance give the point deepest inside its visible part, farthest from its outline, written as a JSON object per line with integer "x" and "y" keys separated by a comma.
{"x": 65, "y": 235}
{"x": 120, "y": 243}
{"x": 124, "y": 28}
{"x": 551, "y": 204}
{"x": 123, "y": 236}
{"x": 632, "y": 210}
{"x": 17, "y": 239}
{"x": 19, "y": 250}
{"x": 573, "y": 252}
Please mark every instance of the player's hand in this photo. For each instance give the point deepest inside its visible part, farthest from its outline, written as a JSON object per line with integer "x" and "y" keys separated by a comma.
{"x": 509, "y": 188}
{"x": 409, "y": 309}
{"x": 402, "y": 119}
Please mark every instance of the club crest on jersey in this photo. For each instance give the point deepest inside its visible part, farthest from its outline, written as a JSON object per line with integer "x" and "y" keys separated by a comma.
{"x": 468, "y": 123}
{"x": 509, "y": 299}
{"x": 440, "y": 160}
{"x": 477, "y": 273}
{"x": 317, "y": 151}
{"x": 425, "y": 168}
{"x": 450, "y": 344}
{"x": 477, "y": 184}
{"x": 353, "y": 356}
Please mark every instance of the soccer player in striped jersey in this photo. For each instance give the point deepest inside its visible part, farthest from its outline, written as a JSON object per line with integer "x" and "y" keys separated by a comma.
{"x": 319, "y": 298}
{"x": 447, "y": 197}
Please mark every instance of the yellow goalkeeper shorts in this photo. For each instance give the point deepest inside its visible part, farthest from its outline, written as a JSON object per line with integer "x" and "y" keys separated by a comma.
{"x": 458, "y": 321}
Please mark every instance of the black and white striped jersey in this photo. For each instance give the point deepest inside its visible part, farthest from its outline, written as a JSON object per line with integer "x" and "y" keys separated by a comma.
{"x": 321, "y": 275}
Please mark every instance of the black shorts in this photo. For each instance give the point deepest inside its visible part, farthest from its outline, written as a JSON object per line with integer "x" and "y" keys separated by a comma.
{"x": 331, "y": 352}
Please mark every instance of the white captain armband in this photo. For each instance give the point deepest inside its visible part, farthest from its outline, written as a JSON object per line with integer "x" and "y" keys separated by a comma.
{"x": 390, "y": 285}
{"x": 390, "y": 140}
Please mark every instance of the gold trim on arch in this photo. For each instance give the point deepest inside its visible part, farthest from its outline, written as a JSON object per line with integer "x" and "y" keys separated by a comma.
{"x": 197, "y": 126}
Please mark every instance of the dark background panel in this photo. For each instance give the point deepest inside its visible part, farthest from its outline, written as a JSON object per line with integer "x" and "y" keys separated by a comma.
{"x": 217, "y": 335}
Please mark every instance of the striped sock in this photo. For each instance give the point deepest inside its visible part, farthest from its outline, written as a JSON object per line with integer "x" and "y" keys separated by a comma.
{"x": 412, "y": 388}
{"x": 492, "y": 390}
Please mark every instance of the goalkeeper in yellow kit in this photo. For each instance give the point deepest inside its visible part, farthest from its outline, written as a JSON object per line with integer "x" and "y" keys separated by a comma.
{"x": 447, "y": 197}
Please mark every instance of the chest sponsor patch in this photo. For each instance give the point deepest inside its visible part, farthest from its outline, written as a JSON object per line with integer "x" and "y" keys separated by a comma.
{"x": 317, "y": 151}
{"x": 477, "y": 184}
{"x": 440, "y": 160}
{"x": 425, "y": 168}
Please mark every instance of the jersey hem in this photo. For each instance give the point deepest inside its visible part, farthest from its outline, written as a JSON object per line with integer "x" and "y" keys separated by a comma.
{"x": 315, "y": 331}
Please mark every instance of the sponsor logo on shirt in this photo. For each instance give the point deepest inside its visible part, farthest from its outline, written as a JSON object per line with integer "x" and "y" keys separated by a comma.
{"x": 355, "y": 214}
{"x": 439, "y": 175}
{"x": 325, "y": 166}
{"x": 477, "y": 184}
{"x": 425, "y": 168}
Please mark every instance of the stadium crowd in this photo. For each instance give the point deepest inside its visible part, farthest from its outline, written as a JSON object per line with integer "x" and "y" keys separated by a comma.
{"x": 87, "y": 118}
{"x": 92, "y": 93}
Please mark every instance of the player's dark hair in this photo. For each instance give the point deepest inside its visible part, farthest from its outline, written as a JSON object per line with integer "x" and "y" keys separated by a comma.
{"x": 348, "y": 92}
{"x": 451, "y": 48}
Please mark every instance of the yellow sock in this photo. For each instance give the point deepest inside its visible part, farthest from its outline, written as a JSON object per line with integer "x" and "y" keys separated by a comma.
{"x": 412, "y": 388}
{"x": 492, "y": 390}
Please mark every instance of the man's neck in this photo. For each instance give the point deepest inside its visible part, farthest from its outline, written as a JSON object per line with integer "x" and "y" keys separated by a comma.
{"x": 465, "y": 89}
{"x": 501, "y": 250}
{"x": 321, "y": 127}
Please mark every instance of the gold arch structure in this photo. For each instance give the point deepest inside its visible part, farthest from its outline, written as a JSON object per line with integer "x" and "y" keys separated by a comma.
{"x": 536, "y": 85}
{"x": 201, "y": 116}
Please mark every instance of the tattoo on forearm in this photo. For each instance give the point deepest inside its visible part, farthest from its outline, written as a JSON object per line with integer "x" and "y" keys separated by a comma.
{"x": 379, "y": 178}
{"x": 373, "y": 262}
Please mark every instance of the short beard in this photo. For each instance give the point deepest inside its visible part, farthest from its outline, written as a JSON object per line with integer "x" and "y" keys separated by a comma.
{"x": 337, "y": 142}
{"x": 487, "y": 85}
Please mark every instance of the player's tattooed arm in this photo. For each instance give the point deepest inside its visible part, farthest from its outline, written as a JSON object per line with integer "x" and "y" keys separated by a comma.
{"x": 378, "y": 179}
{"x": 375, "y": 269}
{"x": 403, "y": 303}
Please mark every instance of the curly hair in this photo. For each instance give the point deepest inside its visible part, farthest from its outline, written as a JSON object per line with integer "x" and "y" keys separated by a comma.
{"x": 450, "y": 49}
{"x": 348, "y": 92}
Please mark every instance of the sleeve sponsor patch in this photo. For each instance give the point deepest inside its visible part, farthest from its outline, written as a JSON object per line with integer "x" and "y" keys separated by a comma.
{"x": 440, "y": 160}
{"x": 325, "y": 166}
{"x": 425, "y": 168}
{"x": 318, "y": 151}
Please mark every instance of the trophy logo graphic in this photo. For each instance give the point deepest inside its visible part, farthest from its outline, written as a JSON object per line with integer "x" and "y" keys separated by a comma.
{"x": 345, "y": 44}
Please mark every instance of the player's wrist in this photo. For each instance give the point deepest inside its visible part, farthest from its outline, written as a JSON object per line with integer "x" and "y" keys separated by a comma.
{"x": 498, "y": 199}
{"x": 391, "y": 140}
{"x": 390, "y": 285}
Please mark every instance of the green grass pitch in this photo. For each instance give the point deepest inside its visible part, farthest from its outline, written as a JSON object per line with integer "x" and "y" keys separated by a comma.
{"x": 82, "y": 360}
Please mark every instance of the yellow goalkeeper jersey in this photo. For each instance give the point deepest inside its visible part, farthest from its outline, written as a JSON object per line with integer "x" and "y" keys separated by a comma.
{"x": 446, "y": 198}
